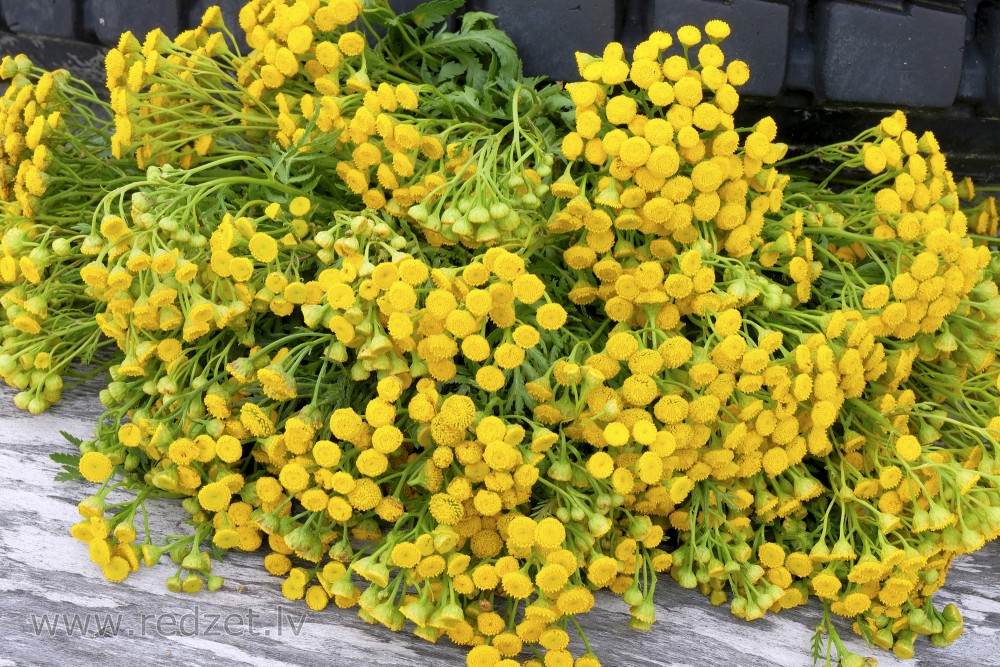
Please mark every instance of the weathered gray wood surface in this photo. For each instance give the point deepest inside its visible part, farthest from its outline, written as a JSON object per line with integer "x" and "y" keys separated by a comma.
{"x": 46, "y": 576}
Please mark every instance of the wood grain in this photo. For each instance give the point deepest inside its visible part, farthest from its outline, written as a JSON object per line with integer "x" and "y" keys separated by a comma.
{"x": 45, "y": 574}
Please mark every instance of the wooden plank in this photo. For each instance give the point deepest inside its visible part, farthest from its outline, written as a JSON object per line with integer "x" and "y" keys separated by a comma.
{"x": 46, "y": 577}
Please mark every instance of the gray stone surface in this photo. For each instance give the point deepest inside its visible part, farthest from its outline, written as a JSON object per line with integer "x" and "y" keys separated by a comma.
{"x": 108, "y": 19}
{"x": 902, "y": 56}
{"x": 43, "y": 17}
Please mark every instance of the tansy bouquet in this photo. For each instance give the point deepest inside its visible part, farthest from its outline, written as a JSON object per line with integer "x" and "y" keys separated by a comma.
{"x": 459, "y": 348}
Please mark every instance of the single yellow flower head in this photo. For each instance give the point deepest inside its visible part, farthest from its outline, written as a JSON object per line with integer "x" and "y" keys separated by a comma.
{"x": 95, "y": 467}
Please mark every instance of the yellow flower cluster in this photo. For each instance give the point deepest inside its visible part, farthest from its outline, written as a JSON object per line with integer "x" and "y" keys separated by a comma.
{"x": 655, "y": 166}
{"x": 47, "y": 138}
{"x": 173, "y": 101}
{"x": 294, "y": 39}
{"x": 306, "y": 84}
{"x": 30, "y": 116}
{"x": 744, "y": 406}
{"x": 484, "y": 362}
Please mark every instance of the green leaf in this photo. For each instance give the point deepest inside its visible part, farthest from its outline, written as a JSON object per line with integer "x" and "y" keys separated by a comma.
{"x": 70, "y": 463}
{"x": 478, "y": 39}
{"x": 817, "y": 644}
{"x": 431, "y": 13}
{"x": 72, "y": 439}
{"x": 450, "y": 70}
{"x": 380, "y": 14}
{"x": 866, "y": 633}
{"x": 65, "y": 459}
{"x": 536, "y": 359}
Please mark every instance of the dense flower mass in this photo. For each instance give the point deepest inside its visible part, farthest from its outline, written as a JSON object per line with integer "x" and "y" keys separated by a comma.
{"x": 458, "y": 348}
